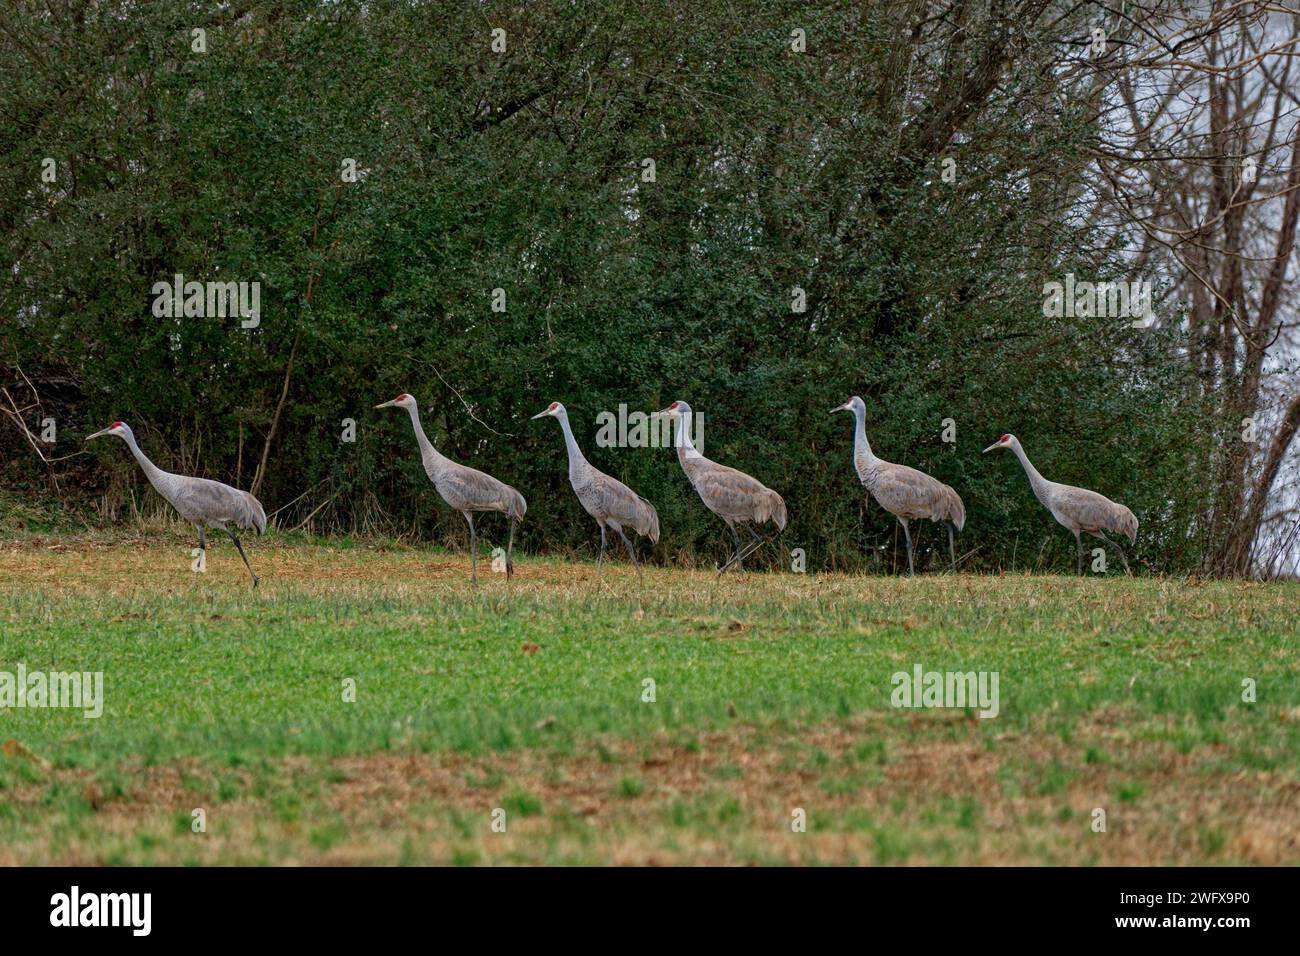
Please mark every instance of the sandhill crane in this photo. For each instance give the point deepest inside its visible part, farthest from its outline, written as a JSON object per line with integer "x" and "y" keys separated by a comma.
{"x": 732, "y": 495}
{"x": 612, "y": 503}
{"x": 1077, "y": 508}
{"x": 902, "y": 491}
{"x": 465, "y": 489}
{"x": 200, "y": 501}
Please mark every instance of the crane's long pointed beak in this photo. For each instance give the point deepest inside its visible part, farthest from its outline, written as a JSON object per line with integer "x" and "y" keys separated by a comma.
{"x": 385, "y": 404}
{"x": 662, "y": 412}
{"x": 543, "y": 413}
{"x": 839, "y": 408}
{"x": 996, "y": 444}
{"x": 98, "y": 434}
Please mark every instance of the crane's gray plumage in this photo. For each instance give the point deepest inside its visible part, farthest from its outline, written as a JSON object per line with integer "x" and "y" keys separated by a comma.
{"x": 902, "y": 491}
{"x": 202, "y": 502}
{"x": 732, "y": 495}
{"x": 465, "y": 489}
{"x": 612, "y": 503}
{"x": 1080, "y": 510}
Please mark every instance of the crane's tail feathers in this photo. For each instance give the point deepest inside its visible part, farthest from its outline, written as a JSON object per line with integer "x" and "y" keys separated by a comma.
{"x": 773, "y": 509}
{"x": 1127, "y": 525}
{"x": 517, "y": 507}
{"x": 956, "y": 509}
{"x": 253, "y": 517}
{"x": 647, "y": 521}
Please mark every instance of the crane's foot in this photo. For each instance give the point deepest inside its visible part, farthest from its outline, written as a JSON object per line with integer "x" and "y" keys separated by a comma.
{"x": 256, "y": 580}
{"x": 510, "y": 569}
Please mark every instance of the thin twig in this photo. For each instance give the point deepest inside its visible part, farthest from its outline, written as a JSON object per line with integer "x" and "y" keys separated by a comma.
{"x": 468, "y": 410}
{"x": 16, "y": 415}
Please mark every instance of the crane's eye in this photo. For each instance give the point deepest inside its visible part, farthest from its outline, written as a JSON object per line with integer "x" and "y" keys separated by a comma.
{"x": 1005, "y": 438}
{"x": 554, "y": 405}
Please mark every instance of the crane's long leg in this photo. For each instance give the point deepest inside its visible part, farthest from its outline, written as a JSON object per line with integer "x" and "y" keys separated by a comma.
{"x": 510, "y": 551}
{"x": 738, "y": 559}
{"x": 755, "y": 543}
{"x": 908, "y": 535}
{"x": 1079, "y": 541}
{"x": 235, "y": 538}
{"x": 631, "y": 552}
{"x": 473, "y": 548}
{"x": 952, "y": 550}
{"x": 1122, "y": 556}
{"x": 203, "y": 552}
{"x": 600, "y": 558}
{"x": 734, "y": 560}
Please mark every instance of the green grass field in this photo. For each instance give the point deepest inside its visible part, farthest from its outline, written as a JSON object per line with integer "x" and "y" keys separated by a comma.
{"x": 771, "y": 695}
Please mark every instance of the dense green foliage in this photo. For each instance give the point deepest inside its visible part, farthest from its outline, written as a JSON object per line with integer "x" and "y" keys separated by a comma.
{"x": 523, "y": 171}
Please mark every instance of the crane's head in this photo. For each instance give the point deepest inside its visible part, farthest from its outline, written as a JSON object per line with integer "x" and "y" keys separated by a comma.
{"x": 121, "y": 429}
{"x": 401, "y": 401}
{"x": 555, "y": 410}
{"x": 675, "y": 410}
{"x": 854, "y": 405}
{"x": 1006, "y": 441}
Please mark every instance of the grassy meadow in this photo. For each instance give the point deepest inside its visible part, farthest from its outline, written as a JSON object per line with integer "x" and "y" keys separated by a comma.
{"x": 367, "y": 704}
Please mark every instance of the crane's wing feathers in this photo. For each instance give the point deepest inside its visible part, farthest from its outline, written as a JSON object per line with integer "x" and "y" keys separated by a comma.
{"x": 468, "y": 489}
{"x": 734, "y": 494}
{"x": 1092, "y": 512}
{"x": 204, "y": 501}
{"x": 909, "y": 493}
{"x": 608, "y": 498}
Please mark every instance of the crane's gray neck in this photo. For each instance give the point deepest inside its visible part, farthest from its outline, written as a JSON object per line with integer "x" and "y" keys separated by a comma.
{"x": 578, "y": 465}
{"x": 1036, "y": 481}
{"x": 861, "y": 447}
{"x": 157, "y": 477}
{"x": 685, "y": 450}
{"x": 433, "y": 460}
